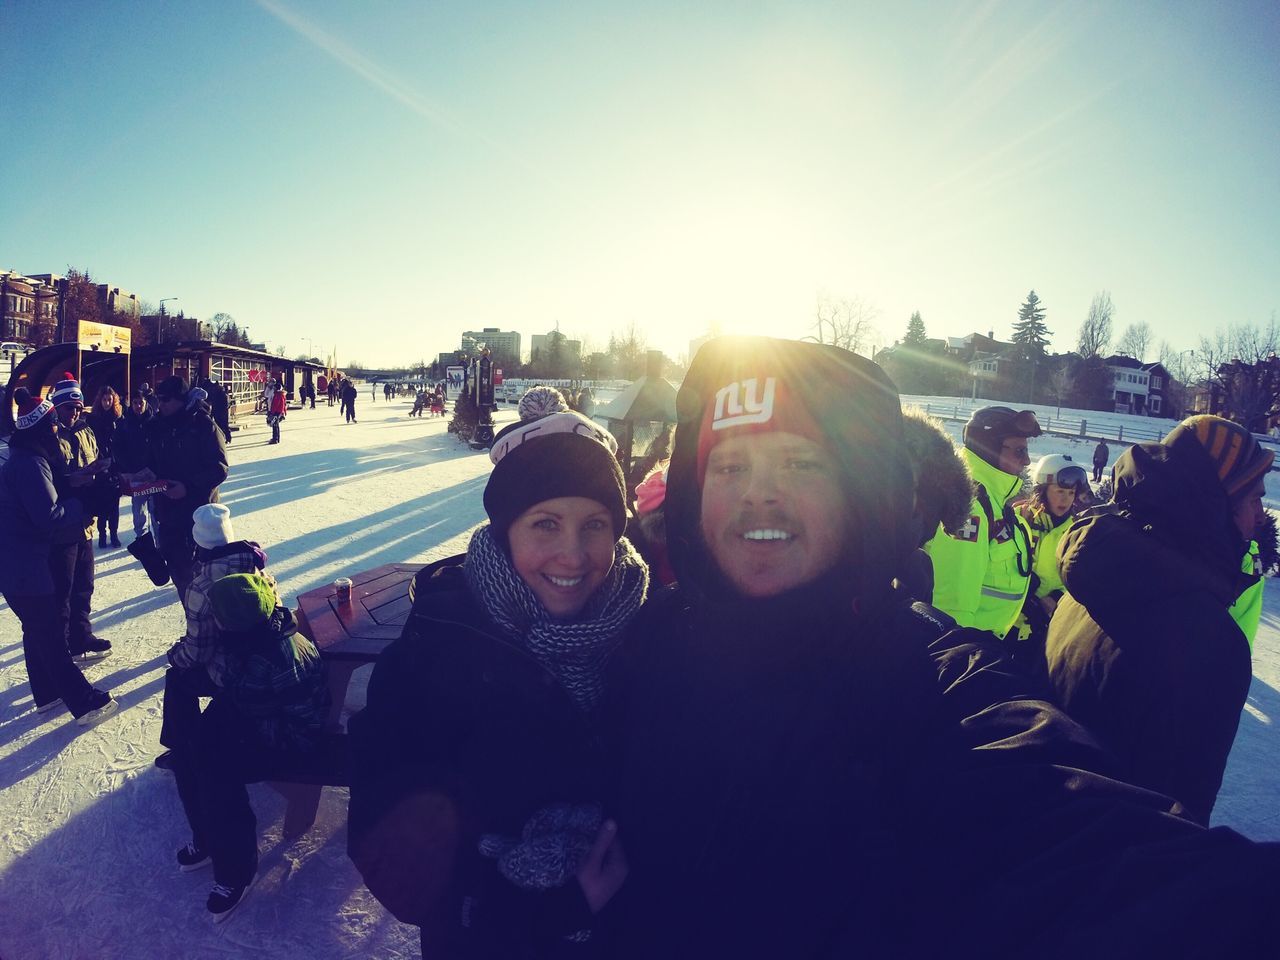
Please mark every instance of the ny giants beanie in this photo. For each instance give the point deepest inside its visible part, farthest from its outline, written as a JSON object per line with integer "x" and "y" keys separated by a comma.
{"x": 756, "y": 404}
{"x": 560, "y": 455}
{"x": 1238, "y": 458}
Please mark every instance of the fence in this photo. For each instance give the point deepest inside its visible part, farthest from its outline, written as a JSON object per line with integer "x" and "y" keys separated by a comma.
{"x": 1101, "y": 427}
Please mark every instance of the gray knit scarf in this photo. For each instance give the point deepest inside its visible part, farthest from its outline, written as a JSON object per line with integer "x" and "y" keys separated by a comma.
{"x": 574, "y": 651}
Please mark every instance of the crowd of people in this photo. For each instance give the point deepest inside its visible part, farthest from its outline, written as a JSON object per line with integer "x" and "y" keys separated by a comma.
{"x": 64, "y": 470}
{"x": 849, "y": 692}
{"x": 795, "y": 748}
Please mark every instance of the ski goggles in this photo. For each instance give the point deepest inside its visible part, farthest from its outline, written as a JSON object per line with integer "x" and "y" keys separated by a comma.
{"x": 1072, "y": 476}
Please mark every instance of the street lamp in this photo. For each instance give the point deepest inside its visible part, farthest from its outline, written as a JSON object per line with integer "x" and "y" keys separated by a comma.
{"x": 160, "y": 318}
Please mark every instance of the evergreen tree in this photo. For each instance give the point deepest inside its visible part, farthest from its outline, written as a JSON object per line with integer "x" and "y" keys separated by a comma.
{"x": 1030, "y": 330}
{"x": 915, "y": 331}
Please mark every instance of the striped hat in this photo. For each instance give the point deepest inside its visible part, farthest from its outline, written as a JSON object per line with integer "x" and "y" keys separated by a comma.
{"x": 1237, "y": 457}
{"x": 31, "y": 410}
{"x": 67, "y": 390}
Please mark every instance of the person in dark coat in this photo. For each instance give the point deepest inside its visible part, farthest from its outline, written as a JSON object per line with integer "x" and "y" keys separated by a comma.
{"x": 268, "y": 713}
{"x": 104, "y": 420}
{"x": 71, "y": 559}
{"x": 1144, "y": 650}
{"x": 33, "y": 514}
{"x": 808, "y": 766}
{"x": 477, "y": 794}
{"x": 348, "y": 394}
{"x": 130, "y": 454}
{"x": 219, "y": 406}
{"x": 1101, "y": 454}
{"x": 186, "y": 452}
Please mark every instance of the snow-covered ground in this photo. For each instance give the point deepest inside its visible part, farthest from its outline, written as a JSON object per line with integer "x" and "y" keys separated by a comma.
{"x": 89, "y": 827}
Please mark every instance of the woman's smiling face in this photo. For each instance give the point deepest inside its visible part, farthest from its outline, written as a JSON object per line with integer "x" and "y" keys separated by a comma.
{"x": 563, "y": 549}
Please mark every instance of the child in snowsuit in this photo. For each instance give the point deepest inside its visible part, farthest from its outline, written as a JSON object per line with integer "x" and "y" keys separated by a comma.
{"x": 196, "y": 662}
{"x": 270, "y": 712}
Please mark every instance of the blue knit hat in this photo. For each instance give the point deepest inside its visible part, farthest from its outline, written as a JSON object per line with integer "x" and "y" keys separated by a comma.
{"x": 66, "y": 390}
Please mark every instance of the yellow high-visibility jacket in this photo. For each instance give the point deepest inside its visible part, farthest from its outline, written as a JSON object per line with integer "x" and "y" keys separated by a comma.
{"x": 981, "y": 575}
{"x": 1044, "y": 560}
{"x": 1247, "y": 610}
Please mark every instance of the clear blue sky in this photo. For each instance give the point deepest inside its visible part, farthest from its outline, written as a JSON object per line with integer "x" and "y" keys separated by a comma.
{"x": 382, "y": 175}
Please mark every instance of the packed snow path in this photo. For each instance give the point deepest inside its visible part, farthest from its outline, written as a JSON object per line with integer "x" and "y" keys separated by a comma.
{"x": 89, "y": 827}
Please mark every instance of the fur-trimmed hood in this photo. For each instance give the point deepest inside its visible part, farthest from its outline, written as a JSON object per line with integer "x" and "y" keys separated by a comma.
{"x": 944, "y": 486}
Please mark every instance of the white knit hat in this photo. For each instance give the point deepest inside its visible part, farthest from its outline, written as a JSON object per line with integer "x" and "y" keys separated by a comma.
{"x": 212, "y": 526}
{"x": 541, "y": 401}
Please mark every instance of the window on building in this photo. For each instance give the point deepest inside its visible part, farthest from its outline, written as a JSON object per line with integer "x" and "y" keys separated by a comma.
{"x": 1156, "y": 383}
{"x": 1155, "y": 404}
{"x": 233, "y": 374}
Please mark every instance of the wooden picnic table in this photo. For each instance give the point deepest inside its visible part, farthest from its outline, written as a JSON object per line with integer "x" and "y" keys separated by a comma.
{"x": 348, "y": 636}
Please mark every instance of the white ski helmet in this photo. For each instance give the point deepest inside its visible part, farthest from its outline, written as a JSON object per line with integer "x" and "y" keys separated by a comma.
{"x": 1058, "y": 468}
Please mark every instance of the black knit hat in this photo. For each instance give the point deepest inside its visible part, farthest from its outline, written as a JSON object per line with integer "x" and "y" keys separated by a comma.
{"x": 171, "y": 388}
{"x": 561, "y": 455}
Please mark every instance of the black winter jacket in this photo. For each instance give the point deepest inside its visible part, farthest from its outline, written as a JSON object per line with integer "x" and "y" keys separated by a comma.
{"x": 186, "y": 447}
{"x": 464, "y": 734}
{"x": 33, "y": 515}
{"x": 129, "y": 446}
{"x": 828, "y": 773}
{"x": 1144, "y": 651}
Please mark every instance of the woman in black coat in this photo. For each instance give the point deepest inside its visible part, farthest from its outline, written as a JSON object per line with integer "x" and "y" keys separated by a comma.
{"x": 105, "y": 420}
{"x": 479, "y": 773}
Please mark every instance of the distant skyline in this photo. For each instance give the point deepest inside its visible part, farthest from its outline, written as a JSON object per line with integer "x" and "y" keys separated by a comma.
{"x": 381, "y": 177}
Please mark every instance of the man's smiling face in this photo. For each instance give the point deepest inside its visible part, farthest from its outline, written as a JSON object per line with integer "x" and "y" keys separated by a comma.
{"x": 773, "y": 514}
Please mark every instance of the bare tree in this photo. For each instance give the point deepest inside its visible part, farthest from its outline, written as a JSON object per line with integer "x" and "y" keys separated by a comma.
{"x": 1181, "y": 367}
{"x": 1095, "y": 332}
{"x": 847, "y": 323}
{"x": 1061, "y": 384}
{"x": 1136, "y": 341}
{"x": 1240, "y": 366}
{"x": 628, "y": 352}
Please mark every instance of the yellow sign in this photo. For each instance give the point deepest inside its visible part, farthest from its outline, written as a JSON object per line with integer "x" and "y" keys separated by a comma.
{"x": 105, "y": 337}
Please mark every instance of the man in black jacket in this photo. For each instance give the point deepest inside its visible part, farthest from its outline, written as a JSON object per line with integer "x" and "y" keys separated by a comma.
{"x": 1101, "y": 454}
{"x": 186, "y": 451}
{"x": 810, "y": 767}
{"x": 219, "y": 405}
{"x": 1143, "y": 650}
